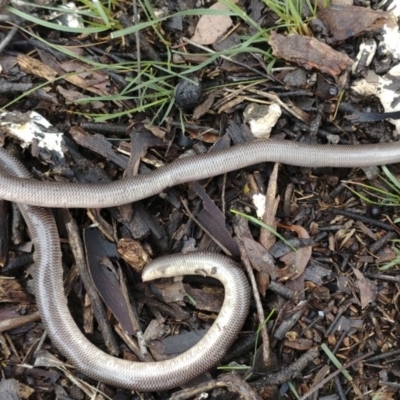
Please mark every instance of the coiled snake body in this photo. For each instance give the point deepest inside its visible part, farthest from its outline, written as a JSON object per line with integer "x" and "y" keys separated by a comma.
{"x": 34, "y": 197}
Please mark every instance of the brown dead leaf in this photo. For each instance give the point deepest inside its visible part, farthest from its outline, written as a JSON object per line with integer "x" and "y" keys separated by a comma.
{"x": 261, "y": 261}
{"x": 205, "y": 137}
{"x": 93, "y": 81}
{"x": 366, "y": 288}
{"x": 344, "y": 22}
{"x": 211, "y": 27}
{"x": 309, "y": 53}
{"x": 296, "y": 262}
{"x": 156, "y": 330}
{"x": 72, "y": 96}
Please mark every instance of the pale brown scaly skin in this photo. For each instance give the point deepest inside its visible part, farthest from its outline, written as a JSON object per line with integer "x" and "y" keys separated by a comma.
{"x": 32, "y": 196}
{"x": 93, "y": 362}
{"x": 51, "y": 194}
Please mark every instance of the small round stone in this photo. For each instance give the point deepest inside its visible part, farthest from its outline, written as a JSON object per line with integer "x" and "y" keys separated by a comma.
{"x": 188, "y": 94}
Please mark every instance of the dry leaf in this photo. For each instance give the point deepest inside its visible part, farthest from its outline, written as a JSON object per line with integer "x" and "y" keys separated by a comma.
{"x": 211, "y": 27}
{"x": 93, "y": 81}
{"x": 296, "y": 262}
{"x": 367, "y": 289}
{"x": 345, "y": 22}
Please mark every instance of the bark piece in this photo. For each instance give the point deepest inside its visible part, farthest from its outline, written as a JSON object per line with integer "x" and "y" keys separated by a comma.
{"x": 344, "y": 22}
{"x": 214, "y": 221}
{"x": 309, "y": 53}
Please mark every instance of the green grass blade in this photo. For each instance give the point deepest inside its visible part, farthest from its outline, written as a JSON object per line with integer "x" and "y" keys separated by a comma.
{"x": 335, "y": 361}
{"x": 263, "y": 225}
{"x": 102, "y": 14}
{"x": 54, "y": 26}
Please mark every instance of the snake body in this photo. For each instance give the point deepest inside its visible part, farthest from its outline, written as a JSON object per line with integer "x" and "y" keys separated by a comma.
{"x": 33, "y": 197}
{"x": 51, "y": 194}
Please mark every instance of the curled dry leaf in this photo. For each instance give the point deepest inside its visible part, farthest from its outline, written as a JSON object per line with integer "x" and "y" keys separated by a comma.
{"x": 211, "y": 27}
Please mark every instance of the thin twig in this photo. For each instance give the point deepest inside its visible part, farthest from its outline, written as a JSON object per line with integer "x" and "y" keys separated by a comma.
{"x": 8, "y": 38}
{"x": 333, "y": 374}
{"x": 257, "y": 299}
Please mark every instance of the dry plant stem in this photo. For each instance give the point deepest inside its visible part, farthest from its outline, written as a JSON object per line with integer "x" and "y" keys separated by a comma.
{"x": 281, "y": 290}
{"x": 133, "y": 345}
{"x": 232, "y": 94}
{"x": 290, "y": 321}
{"x": 382, "y": 277}
{"x": 375, "y": 247}
{"x": 339, "y": 388}
{"x": 12, "y": 323}
{"x": 295, "y": 111}
{"x": 321, "y": 373}
{"x": 133, "y": 315}
{"x": 256, "y": 295}
{"x": 17, "y": 225}
{"x": 333, "y": 374}
{"x": 223, "y": 195}
{"x": 89, "y": 390}
{"x": 232, "y": 382}
{"x": 267, "y": 238}
{"x": 76, "y": 245}
{"x": 390, "y": 384}
{"x": 363, "y": 218}
{"x": 338, "y": 315}
{"x": 8, "y": 38}
{"x": 291, "y": 371}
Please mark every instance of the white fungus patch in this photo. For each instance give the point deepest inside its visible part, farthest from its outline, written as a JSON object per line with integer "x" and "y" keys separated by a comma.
{"x": 385, "y": 88}
{"x": 389, "y": 44}
{"x": 260, "y": 201}
{"x": 365, "y": 55}
{"x": 390, "y": 41}
{"x": 32, "y": 126}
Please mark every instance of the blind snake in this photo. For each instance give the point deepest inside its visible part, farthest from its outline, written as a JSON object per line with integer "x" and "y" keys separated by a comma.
{"x": 16, "y": 184}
